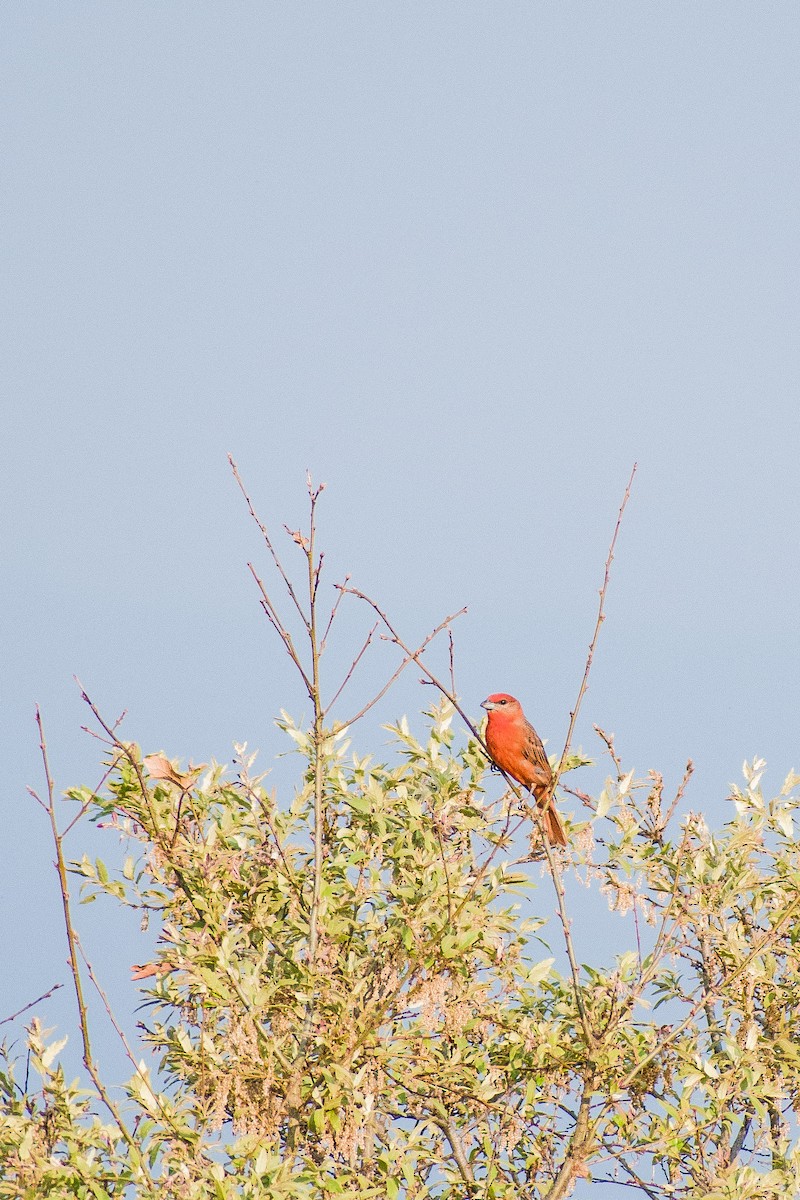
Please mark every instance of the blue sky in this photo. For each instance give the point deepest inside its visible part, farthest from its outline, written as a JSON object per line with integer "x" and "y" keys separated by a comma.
{"x": 466, "y": 263}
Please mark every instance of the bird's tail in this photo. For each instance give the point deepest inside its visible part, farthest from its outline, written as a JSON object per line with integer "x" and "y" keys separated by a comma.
{"x": 555, "y": 830}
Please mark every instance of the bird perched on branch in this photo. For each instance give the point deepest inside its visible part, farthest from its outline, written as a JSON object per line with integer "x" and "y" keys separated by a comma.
{"x": 516, "y": 748}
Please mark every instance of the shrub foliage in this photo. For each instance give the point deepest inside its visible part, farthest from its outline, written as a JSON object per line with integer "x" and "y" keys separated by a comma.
{"x": 368, "y": 988}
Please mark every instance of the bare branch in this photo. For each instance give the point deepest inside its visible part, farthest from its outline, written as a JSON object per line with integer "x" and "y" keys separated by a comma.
{"x": 33, "y": 1003}
{"x": 415, "y": 656}
{"x": 600, "y": 619}
{"x": 634, "y": 1180}
{"x": 72, "y": 942}
{"x": 125, "y": 751}
{"x": 584, "y": 797}
{"x": 287, "y": 581}
{"x": 84, "y": 808}
{"x": 608, "y": 738}
{"x": 687, "y": 775}
{"x": 353, "y": 666}
{"x": 126, "y": 1045}
{"x": 280, "y": 628}
{"x": 340, "y": 590}
{"x": 410, "y": 656}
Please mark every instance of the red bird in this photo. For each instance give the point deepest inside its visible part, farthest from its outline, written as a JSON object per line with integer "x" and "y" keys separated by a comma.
{"x": 516, "y": 748}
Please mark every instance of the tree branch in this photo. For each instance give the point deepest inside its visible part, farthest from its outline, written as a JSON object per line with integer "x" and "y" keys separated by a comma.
{"x": 32, "y": 1004}
{"x": 573, "y": 716}
{"x": 577, "y": 1151}
{"x": 287, "y": 581}
{"x": 83, "y": 1019}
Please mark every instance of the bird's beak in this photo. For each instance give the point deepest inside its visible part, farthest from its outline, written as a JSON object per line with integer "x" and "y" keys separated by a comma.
{"x": 488, "y": 705}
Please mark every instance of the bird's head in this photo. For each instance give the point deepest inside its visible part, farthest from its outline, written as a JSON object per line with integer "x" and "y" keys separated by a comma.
{"x": 501, "y": 702}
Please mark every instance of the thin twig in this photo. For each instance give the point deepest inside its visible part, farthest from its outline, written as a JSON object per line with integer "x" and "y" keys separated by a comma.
{"x": 634, "y": 1182}
{"x": 443, "y": 856}
{"x": 566, "y": 927}
{"x": 415, "y": 655}
{"x": 124, "y": 750}
{"x": 410, "y": 656}
{"x": 319, "y": 781}
{"x": 140, "y": 1071}
{"x": 585, "y": 799}
{"x": 638, "y": 935}
{"x": 318, "y": 738}
{"x": 33, "y": 1003}
{"x": 608, "y": 738}
{"x": 339, "y": 597}
{"x": 84, "y": 808}
{"x": 83, "y": 1019}
{"x": 687, "y": 775}
{"x": 287, "y": 581}
{"x": 600, "y": 619}
{"x": 353, "y": 666}
{"x": 280, "y": 628}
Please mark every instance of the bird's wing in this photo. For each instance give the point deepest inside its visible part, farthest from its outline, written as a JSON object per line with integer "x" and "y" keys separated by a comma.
{"x": 535, "y": 754}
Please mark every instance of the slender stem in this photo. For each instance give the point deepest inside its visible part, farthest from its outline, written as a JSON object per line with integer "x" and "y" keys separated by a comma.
{"x": 410, "y": 656}
{"x": 83, "y": 1019}
{"x": 636, "y": 1181}
{"x": 318, "y": 736}
{"x": 281, "y": 630}
{"x": 353, "y": 665}
{"x": 61, "y": 868}
{"x": 566, "y": 927}
{"x": 182, "y": 1135}
{"x": 126, "y": 751}
{"x": 687, "y": 775}
{"x": 313, "y": 581}
{"x": 287, "y": 581}
{"x": 416, "y": 657}
{"x": 334, "y": 610}
{"x": 600, "y": 619}
{"x": 84, "y": 808}
{"x": 32, "y": 1004}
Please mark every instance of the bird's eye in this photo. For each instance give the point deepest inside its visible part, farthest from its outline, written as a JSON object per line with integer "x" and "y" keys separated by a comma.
{"x": 502, "y": 701}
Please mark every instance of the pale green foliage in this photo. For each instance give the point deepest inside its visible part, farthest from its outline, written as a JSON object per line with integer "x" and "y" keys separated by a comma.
{"x": 369, "y": 988}
{"x": 431, "y": 1048}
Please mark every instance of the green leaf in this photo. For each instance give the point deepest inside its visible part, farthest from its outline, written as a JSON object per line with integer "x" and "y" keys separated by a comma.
{"x": 539, "y": 971}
